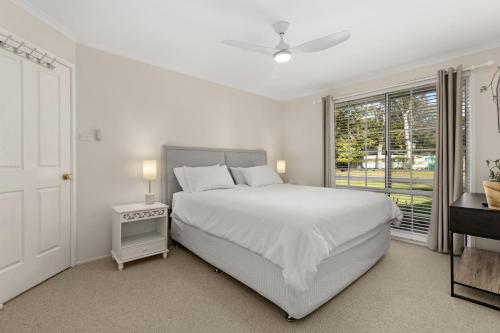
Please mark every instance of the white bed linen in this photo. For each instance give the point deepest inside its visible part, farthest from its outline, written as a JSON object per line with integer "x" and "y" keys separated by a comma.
{"x": 294, "y": 227}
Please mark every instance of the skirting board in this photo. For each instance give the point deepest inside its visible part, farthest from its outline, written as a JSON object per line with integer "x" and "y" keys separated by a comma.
{"x": 85, "y": 261}
{"x": 81, "y": 262}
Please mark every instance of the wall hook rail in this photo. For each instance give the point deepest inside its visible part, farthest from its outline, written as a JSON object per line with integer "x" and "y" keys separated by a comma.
{"x": 20, "y": 48}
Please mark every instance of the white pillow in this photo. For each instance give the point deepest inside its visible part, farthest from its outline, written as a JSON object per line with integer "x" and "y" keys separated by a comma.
{"x": 207, "y": 178}
{"x": 261, "y": 175}
{"x": 179, "y": 174}
{"x": 238, "y": 177}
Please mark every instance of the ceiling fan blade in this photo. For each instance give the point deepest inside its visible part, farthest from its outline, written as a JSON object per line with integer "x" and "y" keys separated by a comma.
{"x": 323, "y": 43}
{"x": 250, "y": 47}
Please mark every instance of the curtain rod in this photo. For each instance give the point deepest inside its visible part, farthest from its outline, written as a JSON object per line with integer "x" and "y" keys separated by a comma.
{"x": 421, "y": 79}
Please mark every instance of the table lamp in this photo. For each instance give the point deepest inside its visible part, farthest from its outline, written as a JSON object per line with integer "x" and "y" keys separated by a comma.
{"x": 149, "y": 173}
{"x": 281, "y": 167}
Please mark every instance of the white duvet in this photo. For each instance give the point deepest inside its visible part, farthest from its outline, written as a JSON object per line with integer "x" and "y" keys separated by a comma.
{"x": 295, "y": 227}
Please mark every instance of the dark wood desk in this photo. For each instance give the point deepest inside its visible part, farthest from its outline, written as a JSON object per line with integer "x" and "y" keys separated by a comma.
{"x": 477, "y": 269}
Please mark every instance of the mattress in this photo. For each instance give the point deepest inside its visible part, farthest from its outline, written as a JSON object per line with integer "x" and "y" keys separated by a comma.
{"x": 295, "y": 227}
{"x": 334, "y": 273}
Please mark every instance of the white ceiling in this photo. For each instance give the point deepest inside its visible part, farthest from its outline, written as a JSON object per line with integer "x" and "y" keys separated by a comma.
{"x": 186, "y": 35}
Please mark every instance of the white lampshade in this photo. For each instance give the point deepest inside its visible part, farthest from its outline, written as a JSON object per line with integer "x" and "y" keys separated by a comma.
{"x": 282, "y": 56}
{"x": 281, "y": 166}
{"x": 149, "y": 169}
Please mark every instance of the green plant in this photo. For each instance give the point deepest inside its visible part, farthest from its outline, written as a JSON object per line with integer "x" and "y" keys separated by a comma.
{"x": 494, "y": 170}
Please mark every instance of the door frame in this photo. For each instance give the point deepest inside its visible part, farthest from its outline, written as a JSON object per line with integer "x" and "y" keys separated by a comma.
{"x": 72, "y": 72}
{"x": 73, "y": 229}
{"x": 73, "y": 235}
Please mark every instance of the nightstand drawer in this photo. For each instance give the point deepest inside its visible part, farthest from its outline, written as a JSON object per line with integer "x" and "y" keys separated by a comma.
{"x": 148, "y": 214}
{"x": 143, "y": 249}
{"x": 473, "y": 222}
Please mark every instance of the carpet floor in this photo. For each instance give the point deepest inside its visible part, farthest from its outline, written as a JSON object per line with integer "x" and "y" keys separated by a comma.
{"x": 407, "y": 291}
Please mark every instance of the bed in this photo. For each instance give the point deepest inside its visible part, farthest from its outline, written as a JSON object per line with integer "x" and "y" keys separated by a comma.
{"x": 239, "y": 232}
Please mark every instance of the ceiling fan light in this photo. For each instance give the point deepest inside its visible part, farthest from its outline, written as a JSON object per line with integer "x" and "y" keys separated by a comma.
{"x": 282, "y": 56}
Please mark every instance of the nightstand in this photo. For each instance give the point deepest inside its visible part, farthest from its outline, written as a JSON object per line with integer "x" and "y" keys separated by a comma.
{"x": 139, "y": 231}
{"x": 477, "y": 269}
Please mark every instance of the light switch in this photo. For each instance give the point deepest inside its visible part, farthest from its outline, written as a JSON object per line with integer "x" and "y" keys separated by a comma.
{"x": 85, "y": 137}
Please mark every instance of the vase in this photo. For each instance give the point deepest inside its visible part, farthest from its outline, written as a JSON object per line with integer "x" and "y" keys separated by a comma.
{"x": 492, "y": 191}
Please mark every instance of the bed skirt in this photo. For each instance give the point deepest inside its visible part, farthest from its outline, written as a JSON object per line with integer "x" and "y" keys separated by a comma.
{"x": 334, "y": 274}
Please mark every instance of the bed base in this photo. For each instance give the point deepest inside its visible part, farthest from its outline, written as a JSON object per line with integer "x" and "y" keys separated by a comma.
{"x": 334, "y": 274}
{"x": 287, "y": 316}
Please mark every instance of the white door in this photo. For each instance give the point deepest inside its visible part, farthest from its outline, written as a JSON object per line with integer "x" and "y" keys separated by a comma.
{"x": 34, "y": 153}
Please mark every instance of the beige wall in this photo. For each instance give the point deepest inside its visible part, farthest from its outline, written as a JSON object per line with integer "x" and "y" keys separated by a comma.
{"x": 138, "y": 108}
{"x": 303, "y": 122}
{"x": 19, "y": 22}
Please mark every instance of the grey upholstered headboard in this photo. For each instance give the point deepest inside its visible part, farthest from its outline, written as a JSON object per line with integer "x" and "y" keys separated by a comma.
{"x": 175, "y": 156}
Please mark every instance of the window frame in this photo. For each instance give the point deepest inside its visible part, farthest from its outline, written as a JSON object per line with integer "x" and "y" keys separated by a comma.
{"x": 402, "y": 89}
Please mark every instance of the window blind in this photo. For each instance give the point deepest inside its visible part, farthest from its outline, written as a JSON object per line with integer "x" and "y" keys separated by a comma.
{"x": 387, "y": 143}
{"x": 411, "y": 155}
{"x": 360, "y": 144}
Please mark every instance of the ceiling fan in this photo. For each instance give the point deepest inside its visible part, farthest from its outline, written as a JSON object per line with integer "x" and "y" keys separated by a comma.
{"x": 283, "y": 52}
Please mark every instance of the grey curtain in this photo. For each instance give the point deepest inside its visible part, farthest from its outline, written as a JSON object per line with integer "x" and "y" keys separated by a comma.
{"x": 448, "y": 176}
{"x": 328, "y": 140}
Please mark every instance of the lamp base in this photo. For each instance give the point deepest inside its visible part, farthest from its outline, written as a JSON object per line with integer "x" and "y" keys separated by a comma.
{"x": 150, "y": 198}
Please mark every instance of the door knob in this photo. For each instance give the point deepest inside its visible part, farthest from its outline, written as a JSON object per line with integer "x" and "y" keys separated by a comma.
{"x": 67, "y": 176}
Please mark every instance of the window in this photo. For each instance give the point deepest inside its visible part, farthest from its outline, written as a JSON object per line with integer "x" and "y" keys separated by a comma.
{"x": 387, "y": 143}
